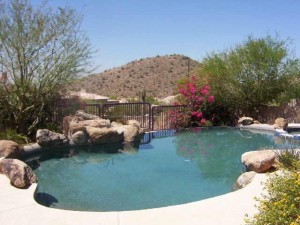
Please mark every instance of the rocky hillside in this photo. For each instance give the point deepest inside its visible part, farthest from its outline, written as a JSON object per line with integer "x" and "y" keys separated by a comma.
{"x": 156, "y": 75}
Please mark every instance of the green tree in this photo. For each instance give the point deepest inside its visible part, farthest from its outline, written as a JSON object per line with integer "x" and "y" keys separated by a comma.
{"x": 252, "y": 74}
{"x": 41, "y": 50}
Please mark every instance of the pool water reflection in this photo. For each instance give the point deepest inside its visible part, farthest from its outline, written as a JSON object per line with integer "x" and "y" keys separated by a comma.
{"x": 189, "y": 166}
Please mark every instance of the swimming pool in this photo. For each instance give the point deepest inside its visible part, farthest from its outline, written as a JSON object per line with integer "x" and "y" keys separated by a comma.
{"x": 189, "y": 166}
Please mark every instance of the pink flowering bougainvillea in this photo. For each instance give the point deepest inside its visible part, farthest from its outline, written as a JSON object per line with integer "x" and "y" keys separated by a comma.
{"x": 195, "y": 99}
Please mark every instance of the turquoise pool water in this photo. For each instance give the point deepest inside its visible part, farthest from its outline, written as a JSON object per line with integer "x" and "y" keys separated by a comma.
{"x": 190, "y": 166}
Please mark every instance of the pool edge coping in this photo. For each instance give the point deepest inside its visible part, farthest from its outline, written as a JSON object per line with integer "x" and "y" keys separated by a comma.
{"x": 229, "y": 208}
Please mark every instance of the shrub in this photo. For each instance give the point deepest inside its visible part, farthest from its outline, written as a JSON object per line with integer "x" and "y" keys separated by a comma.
{"x": 196, "y": 99}
{"x": 252, "y": 74}
{"x": 281, "y": 204}
{"x": 289, "y": 159}
{"x": 10, "y": 134}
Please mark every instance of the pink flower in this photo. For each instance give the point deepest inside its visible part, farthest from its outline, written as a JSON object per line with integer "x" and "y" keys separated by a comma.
{"x": 199, "y": 115}
{"x": 202, "y": 121}
{"x": 194, "y": 113}
{"x": 183, "y": 92}
{"x": 204, "y": 91}
{"x": 194, "y": 78}
{"x": 207, "y": 87}
{"x": 193, "y": 89}
{"x": 200, "y": 99}
{"x": 211, "y": 99}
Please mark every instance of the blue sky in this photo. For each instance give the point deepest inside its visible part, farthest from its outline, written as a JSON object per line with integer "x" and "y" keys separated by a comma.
{"x": 126, "y": 30}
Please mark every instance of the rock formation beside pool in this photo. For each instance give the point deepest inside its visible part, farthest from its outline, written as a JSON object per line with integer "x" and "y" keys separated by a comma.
{"x": 245, "y": 121}
{"x": 10, "y": 149}
{"x": 281, "y": 123}
{"x": 81, "y": 129}
{"x": 19, "y": 173}
{"x": 243, "y": 180}
{"x": 259, "y": 161}
{"x": 85, "y": 129}
{"x": 79, "y": 138}
{"x": 104, "y": 135}
{"x": 47, "y": 138}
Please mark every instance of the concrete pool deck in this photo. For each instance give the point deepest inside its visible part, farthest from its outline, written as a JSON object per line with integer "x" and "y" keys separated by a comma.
{"x": 17, "y": 206}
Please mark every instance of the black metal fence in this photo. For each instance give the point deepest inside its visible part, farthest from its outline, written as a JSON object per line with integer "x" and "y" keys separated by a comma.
{"x": 150, "y": 117}
{"x": 122, "y": 112}
{"x": 94, "y": 109}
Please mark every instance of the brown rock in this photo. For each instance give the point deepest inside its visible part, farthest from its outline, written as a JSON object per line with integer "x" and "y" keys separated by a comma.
{"x": 66, "y": 124}
{"x": 10, "y": 149}
{"x": 244, "y": 179}
{"x": 47, "y": 138}
{"x": 79, "y": 138}
{"x": 259, "y": 161}
{"x": 19, "y": 173}
{"x": 131, "y": 133}
{"x": 281, "y": 123}
{"x": 104, "y": 135}
{"x": 245, "y": 121}
{"x": 81, "y": 125}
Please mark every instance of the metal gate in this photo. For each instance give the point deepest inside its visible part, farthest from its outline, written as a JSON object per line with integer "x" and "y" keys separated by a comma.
{"x": 150, "y": 117}
{"x": 121, "y": 112}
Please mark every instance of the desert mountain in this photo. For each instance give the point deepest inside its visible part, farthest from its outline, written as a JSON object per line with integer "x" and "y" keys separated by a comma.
{"x": 156, "y": 75}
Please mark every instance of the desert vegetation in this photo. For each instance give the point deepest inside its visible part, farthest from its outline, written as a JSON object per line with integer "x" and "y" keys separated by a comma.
{"x": 254, "y": 73}
{"x": 281, "y": 204}
{"x": 157, "y": 75}
{"x": 41, "y": 50}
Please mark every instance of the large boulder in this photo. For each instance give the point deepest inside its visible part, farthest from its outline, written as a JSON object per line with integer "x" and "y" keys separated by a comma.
{"x": 66, "y": 124}
{"x": 76, "y": 125}
{"x": 10, "y": 149}
{"x": 104, "y": 135}
{"x": 245, "y": 121}
{"x": 79, "y": 138}
{"x": 281, "y": 123}
{"x": 136, "y": 124}
{"x": 244, "y": 179}
{"x": 131, "y": 133}
{"x": 259, "y": 161}
{"x": 47, "y": 138}
{"x": 19, "y": 173}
